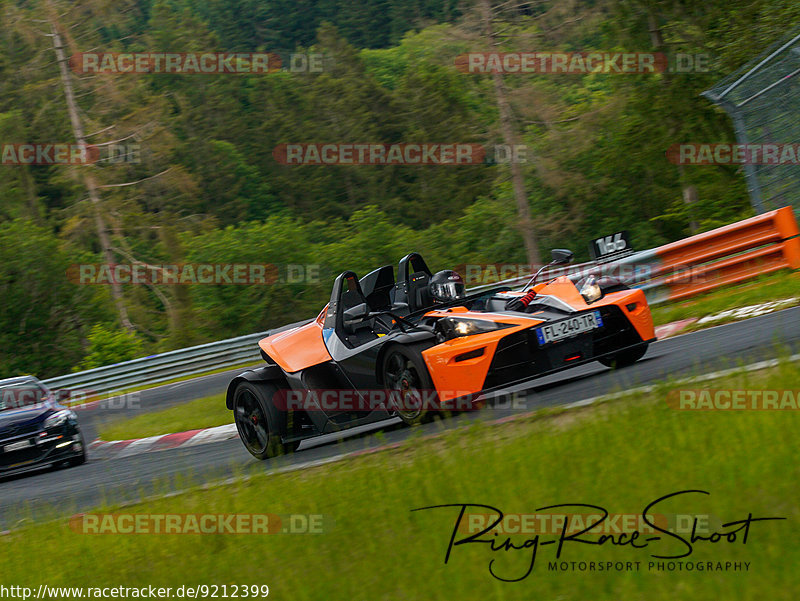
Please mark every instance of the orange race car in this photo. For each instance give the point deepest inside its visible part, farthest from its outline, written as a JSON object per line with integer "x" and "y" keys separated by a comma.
{"x": 410, "y": 348}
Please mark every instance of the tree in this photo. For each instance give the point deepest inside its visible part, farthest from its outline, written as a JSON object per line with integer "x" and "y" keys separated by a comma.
{"x": 45, "y": 316}
{"x": 88, "y": 178}
{"x": 510, "y": 139}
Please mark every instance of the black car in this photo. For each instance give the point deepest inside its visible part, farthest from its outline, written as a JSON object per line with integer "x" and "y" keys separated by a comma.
{"x": 36, "y": 431}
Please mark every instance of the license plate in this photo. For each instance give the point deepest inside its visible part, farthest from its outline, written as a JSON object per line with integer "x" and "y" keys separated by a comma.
{"x": 22, "y": 444}
{"x": 566, "y": 328}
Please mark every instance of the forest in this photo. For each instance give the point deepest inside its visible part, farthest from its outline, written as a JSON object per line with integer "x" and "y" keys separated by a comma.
{"x": 201, "y": 180}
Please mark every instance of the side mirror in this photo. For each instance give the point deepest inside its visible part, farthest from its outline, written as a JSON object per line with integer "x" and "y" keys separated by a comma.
{"x": 561, "y": 256}
{"x": 356, "y": 314}
{"x": 63, "y": 395}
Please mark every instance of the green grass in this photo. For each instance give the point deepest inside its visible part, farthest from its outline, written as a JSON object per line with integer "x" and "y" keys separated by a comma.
{"x": 201, "y": 413}
{"x": 771, "y": 287}
{"x": 620, "y": 455}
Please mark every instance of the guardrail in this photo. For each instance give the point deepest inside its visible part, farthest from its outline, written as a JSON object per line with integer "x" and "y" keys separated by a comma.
{"x": 726, "y": 255}
{"x": 162, "y": 367}
{"x": 156, "y": 369}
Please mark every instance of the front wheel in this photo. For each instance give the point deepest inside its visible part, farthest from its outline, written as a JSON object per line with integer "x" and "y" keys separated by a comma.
{"x": 257, "y": 419}
{"x": 624, "y": 358}
{"x": 78, "y": 459}
{"x": 406, "y": 377}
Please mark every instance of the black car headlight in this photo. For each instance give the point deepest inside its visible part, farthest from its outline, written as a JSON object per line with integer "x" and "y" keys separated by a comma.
{"x": 59, "y": 419}
{"x": 453, "y": 327}
{"x": 590, "y": 290}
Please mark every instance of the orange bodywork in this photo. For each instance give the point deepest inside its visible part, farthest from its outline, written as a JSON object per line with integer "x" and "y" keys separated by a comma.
{"x": 297, "y": 348}
{"x": 640, "y": 317}
{"x": 453, "y": 378}
{"x": 453, "y": 375}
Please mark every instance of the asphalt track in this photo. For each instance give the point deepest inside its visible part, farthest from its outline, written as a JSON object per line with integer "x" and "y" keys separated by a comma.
{"x": 55, "y": 493}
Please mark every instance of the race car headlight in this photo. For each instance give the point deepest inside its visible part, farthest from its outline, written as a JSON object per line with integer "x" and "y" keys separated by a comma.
{"x": 58, "y": 419}
{"x": 590, "y": 291}
{"x": 449, "y": 327}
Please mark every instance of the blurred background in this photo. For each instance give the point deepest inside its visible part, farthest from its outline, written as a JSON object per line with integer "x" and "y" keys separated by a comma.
{"x": 205, "y": 187}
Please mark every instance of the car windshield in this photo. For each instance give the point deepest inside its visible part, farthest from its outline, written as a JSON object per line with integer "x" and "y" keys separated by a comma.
{"x": 20, "y": 395}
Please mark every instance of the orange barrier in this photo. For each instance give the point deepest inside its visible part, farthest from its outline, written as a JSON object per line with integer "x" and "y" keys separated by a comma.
{"x": 729, "y": 254}
{"x": 726, "y": 255}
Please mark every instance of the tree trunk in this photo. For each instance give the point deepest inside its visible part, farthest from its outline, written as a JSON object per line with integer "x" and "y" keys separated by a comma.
{"x": 656, "y": 39}
{"x": 689, "y": 199}
{"x": 180, "y": 315}
{"x": 88, "y": 178}
{"x": 688, "y": 191}
{"x": 525, "y": 223}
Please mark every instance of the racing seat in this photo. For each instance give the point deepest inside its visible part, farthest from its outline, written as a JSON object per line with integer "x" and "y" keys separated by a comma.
{"x": 419, "y": 294}
{"x": 411, "y": 292}
{"x": 347, "y": 294}
{"x": 378, "y": 287}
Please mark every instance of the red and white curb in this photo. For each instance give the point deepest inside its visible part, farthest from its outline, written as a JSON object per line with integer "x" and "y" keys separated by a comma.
{"x": 751, "y": 310}
{"x": 102, "y": 449}
{"x": 670, "y": 329}
{"x": 737, "y": 314}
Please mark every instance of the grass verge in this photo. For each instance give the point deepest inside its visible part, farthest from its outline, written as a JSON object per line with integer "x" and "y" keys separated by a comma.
{"x": 193, "y": 415}
{"x": 620, "y": 455}
{"x": 775, "y": 286}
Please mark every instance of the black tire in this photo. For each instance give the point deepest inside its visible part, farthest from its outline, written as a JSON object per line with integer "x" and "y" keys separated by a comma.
{"x": 624, "y": 358}
{"x": 78, "y": 459}
{"x": 257, "y": 419}
{"x": 403, "y": 369}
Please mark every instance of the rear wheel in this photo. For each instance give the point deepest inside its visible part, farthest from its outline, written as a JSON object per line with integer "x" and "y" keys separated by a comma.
{"x": 257, "y": 419}
{"x": 624, "y": 358}
{"x": 405, "y": 373}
